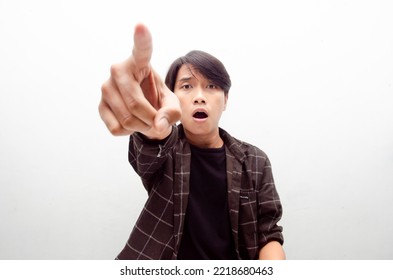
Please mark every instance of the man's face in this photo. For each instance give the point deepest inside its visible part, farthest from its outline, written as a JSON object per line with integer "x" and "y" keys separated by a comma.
{"x": 201, "y": 101}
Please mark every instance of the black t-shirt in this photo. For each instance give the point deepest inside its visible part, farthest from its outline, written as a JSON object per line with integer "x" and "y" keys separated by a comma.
{"x": 207, "y": 230}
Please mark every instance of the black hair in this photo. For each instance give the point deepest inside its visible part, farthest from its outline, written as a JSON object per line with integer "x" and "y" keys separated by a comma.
{"x": 205, "y": 64}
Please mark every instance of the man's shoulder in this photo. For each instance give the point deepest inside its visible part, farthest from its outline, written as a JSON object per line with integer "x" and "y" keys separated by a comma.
{"x": 240, "y": 147}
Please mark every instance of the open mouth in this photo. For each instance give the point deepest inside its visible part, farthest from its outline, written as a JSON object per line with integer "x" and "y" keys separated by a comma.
{"x": 200, "y": 115}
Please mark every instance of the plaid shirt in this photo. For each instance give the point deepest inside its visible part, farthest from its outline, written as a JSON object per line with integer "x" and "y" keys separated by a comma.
{"x": 164, "y": 167}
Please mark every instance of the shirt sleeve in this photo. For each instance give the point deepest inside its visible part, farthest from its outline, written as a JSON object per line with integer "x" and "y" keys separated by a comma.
{"x": 147, "y": 156}
{"x": 269, "y": 207}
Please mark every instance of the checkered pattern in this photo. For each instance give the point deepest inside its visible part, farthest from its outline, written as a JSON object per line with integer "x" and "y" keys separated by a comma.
{"x": 164, "y": 168}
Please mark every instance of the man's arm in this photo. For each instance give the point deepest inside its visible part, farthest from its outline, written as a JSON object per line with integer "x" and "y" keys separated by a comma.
{"x": 134, "y": 98}
{"x": 269, "y": 214}
{"x": 272, "y": 251}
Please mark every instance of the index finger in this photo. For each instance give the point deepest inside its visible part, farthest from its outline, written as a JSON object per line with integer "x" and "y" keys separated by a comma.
{"x": 143, "y": 46}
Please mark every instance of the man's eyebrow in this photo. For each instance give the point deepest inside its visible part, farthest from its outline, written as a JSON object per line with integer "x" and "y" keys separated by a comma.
{"x": 184, "y": 79}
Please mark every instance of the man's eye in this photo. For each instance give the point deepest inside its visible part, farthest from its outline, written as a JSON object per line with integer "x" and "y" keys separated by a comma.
{"x": 212, "y": 86}
{"x": 186, "y": 86}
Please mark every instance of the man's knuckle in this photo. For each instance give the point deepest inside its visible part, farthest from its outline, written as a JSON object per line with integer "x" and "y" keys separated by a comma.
{"x": 126, "y": 121}
{"x": 116, "y": 70}
{"x": 133, "y": 104}
{"x": 101, "y": 108}
{"x": 116, "y": 130}
{"x": 105, "y": 88}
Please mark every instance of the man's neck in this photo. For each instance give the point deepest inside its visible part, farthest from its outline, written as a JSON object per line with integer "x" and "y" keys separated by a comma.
{"x": 205, "y": 141}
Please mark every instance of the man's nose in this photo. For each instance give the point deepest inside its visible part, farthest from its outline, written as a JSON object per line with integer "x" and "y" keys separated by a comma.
{"x": 199, "y": 97}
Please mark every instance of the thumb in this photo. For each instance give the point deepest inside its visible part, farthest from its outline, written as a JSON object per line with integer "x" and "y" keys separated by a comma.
{"x": 168, "y": 114}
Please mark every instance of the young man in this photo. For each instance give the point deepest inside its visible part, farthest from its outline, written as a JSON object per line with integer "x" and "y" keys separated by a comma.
{"x": 211, "y": 196}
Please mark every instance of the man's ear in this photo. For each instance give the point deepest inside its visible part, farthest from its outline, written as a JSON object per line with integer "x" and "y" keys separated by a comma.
{"x": 225, "y": 101}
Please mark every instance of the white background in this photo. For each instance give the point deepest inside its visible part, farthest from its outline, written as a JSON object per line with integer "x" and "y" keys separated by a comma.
{"x": 312, "y": 87}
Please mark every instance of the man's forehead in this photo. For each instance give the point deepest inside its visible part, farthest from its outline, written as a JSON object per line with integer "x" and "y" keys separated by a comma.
{"x": 189, "y": 72}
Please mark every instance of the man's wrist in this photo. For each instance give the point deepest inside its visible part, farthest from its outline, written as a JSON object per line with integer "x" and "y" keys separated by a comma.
{"x": 156, "y": 139}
